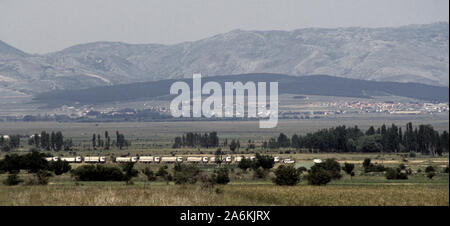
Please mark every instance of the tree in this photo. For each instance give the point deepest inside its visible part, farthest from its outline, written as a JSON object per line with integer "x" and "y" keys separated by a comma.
{"x": 264, "y": 161}
{"x": 60, "y": 167}
{"x": 245, "y": 164}
{"x": 108, "y": 140}
{"x": 370, "y": 131}
{"x": 129, "y": 172}
{"x": 53, "y": 141}
{"x": 430, "y": 175}
{"x": 332, "y": 166}
{"x": 348, "y": 168}
{"x": 68, "y": 144}
{"x": 370, "y": 144}
{"x": 318, "y": 176}
{"x": 59, "y": 141}
{"x": 218, "y": 156}
{"x": 283, "y": 141}
{"x": 286, "y": 175}
{"x": 94, "y": 143}
{"x": 233, "y": 145}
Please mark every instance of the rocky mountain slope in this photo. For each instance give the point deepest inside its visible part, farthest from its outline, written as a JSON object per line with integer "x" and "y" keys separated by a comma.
{"x": 415, "y": 53}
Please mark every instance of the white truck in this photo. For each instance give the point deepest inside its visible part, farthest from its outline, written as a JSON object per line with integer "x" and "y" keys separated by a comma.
{"x": 317, "y": 161}
{"x": 168, "y": 159}
{"x": 146, "y": 159}
{"x": 276, "y": 159}
{"x": 126, "y": 159}
{"x": 76, "y": 159}
{"x": 193, "y": 159}
{"x": 288, "y": 161}
{"x": 52, "y": 159}
{"x": 95, "y": 159}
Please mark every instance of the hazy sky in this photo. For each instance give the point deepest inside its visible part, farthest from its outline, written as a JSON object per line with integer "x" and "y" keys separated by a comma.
{"x": 40, "y": 26}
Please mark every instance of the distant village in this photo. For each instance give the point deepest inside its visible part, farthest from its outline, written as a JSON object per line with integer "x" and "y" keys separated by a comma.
{"x": 367, "y": 107}
{"x": 161, "y": 112}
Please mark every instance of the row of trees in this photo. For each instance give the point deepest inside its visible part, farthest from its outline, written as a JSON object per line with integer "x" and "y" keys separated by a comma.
{"x": 55, "y": 141}
{"x": 100, "y": 143}
{"x": 422, "y": 139}
{"x": 51, "y": 141}
{"x": 206, "y": 140}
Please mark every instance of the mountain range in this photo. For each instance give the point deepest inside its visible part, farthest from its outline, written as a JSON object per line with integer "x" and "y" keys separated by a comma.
{"x": 413, "y": 53}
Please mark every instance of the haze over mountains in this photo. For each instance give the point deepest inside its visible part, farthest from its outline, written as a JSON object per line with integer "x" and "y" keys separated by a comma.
{"x": 415, "y": 53}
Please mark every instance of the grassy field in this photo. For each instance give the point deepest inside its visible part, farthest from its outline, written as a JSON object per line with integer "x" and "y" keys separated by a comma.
{"x": 409, "y": 194}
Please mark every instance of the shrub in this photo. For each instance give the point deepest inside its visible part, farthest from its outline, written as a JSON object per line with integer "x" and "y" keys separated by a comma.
{"x": 318, "y": 176}
{"x": 402, "y": 176}
{"x": 260, "y": 173}
{"x": 59, "y": 167}
{"x": 395, "y": 174}
{"x": 245, "y": 164}
{"x": 221, "y": 176}
{"x": 185, "y": 174}
{"x": 12, "y": 179}
{"x": 97, "y": 173}
{"x": 391, "y": 174}
{"x": 162, "y": 172}
{"x": 43, "y": 176}
{"x": 430, "y": 175}
{"x": 369, "y": 167}
{"x": 286, "y": 175}
{"x": 129, "y": 172}
{"x": 348, "y": 168}
{"x": 150, "y": 175}
{"x": 207, "y": 182}
{"x": 429, "y": 169}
